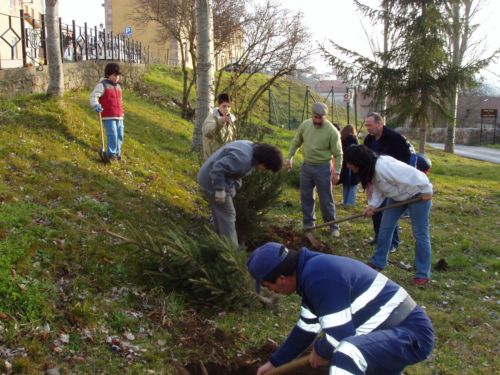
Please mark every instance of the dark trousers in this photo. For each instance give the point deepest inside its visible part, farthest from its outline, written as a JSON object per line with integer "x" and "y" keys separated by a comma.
{"x": 386, "y": 351}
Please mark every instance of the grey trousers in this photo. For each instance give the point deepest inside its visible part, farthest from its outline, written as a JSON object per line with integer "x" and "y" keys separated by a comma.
{"x": 224, "y": 217}
{"x": 319, "y": 177}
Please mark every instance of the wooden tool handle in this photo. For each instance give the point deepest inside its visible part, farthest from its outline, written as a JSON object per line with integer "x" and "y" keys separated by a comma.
{"x": 290, "y": 366}
{"x": 399, "y": 204}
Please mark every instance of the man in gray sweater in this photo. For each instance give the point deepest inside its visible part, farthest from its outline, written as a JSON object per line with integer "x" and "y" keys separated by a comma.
{"x": 220, "y": 176}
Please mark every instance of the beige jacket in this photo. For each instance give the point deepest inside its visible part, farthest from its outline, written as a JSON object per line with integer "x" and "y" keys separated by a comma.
{"x": 216, "y": 133}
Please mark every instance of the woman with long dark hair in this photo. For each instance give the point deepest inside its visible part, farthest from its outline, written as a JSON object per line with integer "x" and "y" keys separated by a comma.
{"x": 385, "y": 177}
{"x": 348, "y": 178}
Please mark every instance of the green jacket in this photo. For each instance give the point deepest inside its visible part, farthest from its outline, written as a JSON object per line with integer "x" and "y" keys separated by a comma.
{"x": 318, "y": 144}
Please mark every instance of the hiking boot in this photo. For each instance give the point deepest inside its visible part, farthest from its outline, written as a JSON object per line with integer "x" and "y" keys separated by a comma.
{"x": 335, "y": 233}
{"x": 420, "y": 281}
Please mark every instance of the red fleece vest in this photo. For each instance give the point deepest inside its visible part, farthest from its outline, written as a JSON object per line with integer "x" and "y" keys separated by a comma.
{"x": 111, "y": 100}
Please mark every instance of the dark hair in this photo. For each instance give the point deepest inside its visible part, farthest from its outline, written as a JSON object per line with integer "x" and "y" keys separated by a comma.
{"x": 112, "y": 68}
{"x": 363, "y": 158}
{"x": 223, "y": 98}
{"x": 337, "y": 126}
{"x": 268, "y": 155}
{"x": 286, "y": 268}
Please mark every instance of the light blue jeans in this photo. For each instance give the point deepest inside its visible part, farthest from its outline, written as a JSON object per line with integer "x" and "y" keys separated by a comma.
{"x": 349, "y": 194}
{"x": 319, "y": 177}
{"x": 114, "y": 134}
{"x": 419, "y": 215}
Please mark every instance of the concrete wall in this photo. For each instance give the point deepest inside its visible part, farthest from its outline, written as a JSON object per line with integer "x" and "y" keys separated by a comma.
{"x": 79, "y": 75}
{"x": 463, "y": 136}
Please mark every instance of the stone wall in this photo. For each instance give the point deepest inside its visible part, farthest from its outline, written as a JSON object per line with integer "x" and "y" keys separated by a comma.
{"x": 463, "y": 136}
{"x": 78, "y": 75}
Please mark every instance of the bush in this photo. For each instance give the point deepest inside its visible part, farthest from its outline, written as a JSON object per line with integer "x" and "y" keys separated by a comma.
{"x": 260, "y": 191}
{"x": 208, "y": 270}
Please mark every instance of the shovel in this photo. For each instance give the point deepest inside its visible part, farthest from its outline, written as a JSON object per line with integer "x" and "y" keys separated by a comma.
{"x": 316, "y": 243}
{"x": 103, "y": 154}
{"x": 290, "y": 366}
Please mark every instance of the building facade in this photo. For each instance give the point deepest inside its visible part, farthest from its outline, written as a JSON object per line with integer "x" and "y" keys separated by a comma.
{"x": 10, "y": 28}
{"x": 119, "y": 19}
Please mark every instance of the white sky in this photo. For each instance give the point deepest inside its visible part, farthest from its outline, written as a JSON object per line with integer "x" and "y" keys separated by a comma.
{"x": 319, "y": 15}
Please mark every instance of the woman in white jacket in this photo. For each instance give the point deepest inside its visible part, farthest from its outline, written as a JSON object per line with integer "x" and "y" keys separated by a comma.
{"x": 385, "y": 177}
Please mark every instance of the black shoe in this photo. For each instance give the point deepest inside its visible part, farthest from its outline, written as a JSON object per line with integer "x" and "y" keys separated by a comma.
{"x": 371, "y": 265}
{"x": 104, "y": 157}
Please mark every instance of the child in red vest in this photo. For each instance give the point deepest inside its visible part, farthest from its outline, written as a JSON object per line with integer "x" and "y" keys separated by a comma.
{"x": 107, "y": 99}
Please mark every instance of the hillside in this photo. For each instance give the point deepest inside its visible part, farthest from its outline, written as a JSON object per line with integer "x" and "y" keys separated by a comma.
{"x": 71, "y": 299}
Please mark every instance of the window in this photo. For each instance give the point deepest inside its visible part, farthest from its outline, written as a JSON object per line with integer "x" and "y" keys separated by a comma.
{"x": 12, "y": 4}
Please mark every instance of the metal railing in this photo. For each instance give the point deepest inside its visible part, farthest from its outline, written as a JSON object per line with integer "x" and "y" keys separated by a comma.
{"x": 23, "y": 43}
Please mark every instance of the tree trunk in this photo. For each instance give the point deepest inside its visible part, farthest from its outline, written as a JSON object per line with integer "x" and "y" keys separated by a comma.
{"x": 449, "y": 144}
{"x": 205, "y": 68}
{"x": 56, "y": 73}
{"x": 459, "y": 42}
{"x": 386, "y": 50}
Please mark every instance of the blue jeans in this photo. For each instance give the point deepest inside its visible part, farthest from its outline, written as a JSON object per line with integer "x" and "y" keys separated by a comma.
{"x": 419, "y": 215}
{"x": 376, "y": 219}
{"x": 349, "y": 194}
{"x": 319, "y": 177}
{"x": 114, "y": 134}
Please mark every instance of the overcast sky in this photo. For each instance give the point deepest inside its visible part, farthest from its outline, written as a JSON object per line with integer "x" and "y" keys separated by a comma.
{"x": 327, "y": 19}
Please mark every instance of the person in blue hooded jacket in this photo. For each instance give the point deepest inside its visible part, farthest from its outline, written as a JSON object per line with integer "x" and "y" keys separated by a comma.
{"x": 371, "y": 325}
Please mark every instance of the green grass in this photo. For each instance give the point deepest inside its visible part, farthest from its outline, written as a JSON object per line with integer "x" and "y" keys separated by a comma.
{"x": 59, "y": 266}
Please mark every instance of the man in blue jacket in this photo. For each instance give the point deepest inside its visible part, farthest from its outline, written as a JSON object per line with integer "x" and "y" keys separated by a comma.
{"x": 220, "y": 176}
{"x": 371, "y": 324}
{"x": 385, "y": 141}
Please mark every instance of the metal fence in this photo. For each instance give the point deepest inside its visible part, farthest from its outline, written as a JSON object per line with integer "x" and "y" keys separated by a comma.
{"x": 23, "y": 43}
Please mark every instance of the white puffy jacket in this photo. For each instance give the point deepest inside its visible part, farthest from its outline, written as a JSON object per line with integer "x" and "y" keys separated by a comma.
{"x": 396, "y": 180}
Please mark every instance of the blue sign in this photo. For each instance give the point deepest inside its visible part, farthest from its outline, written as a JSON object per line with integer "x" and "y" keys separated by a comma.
{"x": 128, "y": 31}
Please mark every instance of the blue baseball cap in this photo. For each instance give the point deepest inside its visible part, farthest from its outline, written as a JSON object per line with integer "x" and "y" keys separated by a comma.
{"x": 264, "y": 260}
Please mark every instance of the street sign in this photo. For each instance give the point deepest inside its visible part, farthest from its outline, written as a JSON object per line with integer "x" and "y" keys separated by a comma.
{"x": 488, "y": 113}
{"x": 128, "y": 31}
{"x": 346, "y": 98}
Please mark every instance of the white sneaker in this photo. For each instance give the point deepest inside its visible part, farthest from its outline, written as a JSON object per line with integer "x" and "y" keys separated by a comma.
{"x": 335, "y": 233}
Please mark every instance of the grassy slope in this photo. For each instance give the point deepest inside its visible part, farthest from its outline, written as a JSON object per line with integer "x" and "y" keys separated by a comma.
{"x": 58, "y": 266}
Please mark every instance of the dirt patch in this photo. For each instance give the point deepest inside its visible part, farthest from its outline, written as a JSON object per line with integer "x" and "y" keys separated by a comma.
{"x": 293, "y": 239}
{"x": 245, "y": 365}
{"x": 206, "y": 346}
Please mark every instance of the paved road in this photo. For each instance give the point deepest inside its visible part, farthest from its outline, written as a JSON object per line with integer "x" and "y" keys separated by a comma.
{"x": 480, "y": 153}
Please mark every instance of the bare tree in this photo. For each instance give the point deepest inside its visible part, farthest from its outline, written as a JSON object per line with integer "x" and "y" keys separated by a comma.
{"x": 205, "y": 64}
{"x": 56, "y": 73}
{"x": 463, "y": 55}
{"x": 275, "y": 42}
{"x": 175, "y": 19}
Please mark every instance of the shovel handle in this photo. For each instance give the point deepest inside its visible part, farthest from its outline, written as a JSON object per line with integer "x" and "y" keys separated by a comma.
{"x": 290, "y": 366}
{"x": 102, "y": 131}
{"x": 399, "y": 204}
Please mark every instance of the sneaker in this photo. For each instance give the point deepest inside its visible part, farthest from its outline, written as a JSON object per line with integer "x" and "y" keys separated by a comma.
{"x": 370, "y": 241}
{"x": 371, "y": 265}
{"x": 420, "y": 281}
{"x": 393, "y": 249}
{"x": 335, "y": 233}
